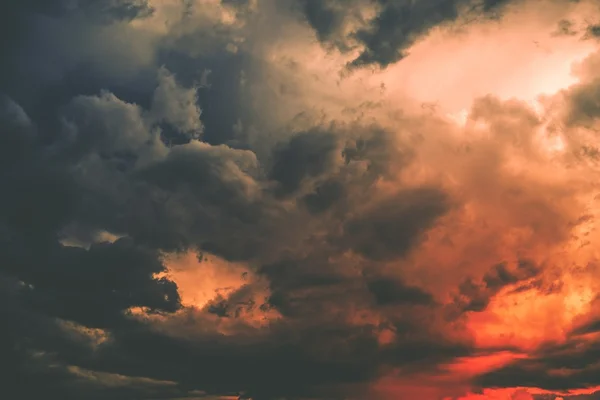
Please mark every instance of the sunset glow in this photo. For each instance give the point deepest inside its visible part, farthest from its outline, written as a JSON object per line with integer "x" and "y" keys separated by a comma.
{"x": 300, "y": 200}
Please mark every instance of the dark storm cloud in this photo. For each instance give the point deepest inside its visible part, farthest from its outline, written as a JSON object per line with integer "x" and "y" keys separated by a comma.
{"x": 288, "y": 275}
{"x": 37, "y": 197}
{"x": 584, "y": 108}
{"x": 130, "y": 182}
{"x": 391, "y": 228}
{"x": 296, "y": 358}
{"x": 37, "y": 350}
{"x": 292, "y": 360}
{"x": 582, "y": 100}
{"x": 61, "y": 49}
{"x": 324, "y": 196}
{"x": 219, "y": 74}
{"x": 590, "y": 327}
{"x": 65, "y": 184}
{"x": 267, "y": 368}
{"x": 116, "y": 9}
{"x": 108, "y": 133}
{"x": 377, "y": 147}
{"x": 387, "y": 291}
{"x": 40, "y": 198}
{"x": 16, "y": 17}
{"x": 306, "y": 155}
{"x": 339, "y": 185}
{"x": 577, "y": 359}
{"x": 205, "y": 196}
{"x": 475, "y": 296}
{"x": 27, "y": 27}
{"x": 301, "y": 287}
{"x": 93, "y": 287}
{"x": 593, "y": 31}
{"x": 306, "y": 287}
{"x": 397, "y": 25}
{"x": 109, "y": 170}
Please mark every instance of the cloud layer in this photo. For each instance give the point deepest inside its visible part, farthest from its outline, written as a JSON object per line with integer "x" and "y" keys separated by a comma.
{"x": 296, "y": 199}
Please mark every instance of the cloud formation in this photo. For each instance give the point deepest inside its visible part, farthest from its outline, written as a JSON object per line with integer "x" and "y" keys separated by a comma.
{"x": 260, "y": 199}
{"x": 386, "y": 29}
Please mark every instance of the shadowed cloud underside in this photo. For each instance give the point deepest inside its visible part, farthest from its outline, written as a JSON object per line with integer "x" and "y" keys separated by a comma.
{"x": 299, "y": 200}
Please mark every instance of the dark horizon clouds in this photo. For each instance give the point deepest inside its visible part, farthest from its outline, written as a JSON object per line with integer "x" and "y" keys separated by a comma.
{"x": 296, "y": 199}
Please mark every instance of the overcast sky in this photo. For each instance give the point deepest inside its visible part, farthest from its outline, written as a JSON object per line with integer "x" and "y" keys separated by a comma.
{"x": 300, "y": 199}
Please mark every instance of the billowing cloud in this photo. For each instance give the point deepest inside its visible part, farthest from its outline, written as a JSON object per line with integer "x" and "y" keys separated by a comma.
{"x": 383, "y": 31}
{"x": 260, "y": 199}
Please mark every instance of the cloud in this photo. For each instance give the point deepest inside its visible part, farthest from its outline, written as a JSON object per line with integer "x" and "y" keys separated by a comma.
{"x": 383, "y": 30}
{"x": 198, "y": 201}
{"x": 392, "y": 228}
{"x": 476, "y": 296}
{"x": 307, "y": 155}
{"x": 177, "y": 107}
{"x": 389, "y": 292}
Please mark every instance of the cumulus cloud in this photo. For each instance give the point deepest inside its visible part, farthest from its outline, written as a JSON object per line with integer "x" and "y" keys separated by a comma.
{"x": 296, "y": 199}
{"x": 383, "y": 31}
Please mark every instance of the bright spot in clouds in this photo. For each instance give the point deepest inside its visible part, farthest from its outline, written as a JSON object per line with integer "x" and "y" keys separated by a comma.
{"x": 296, "y": 199}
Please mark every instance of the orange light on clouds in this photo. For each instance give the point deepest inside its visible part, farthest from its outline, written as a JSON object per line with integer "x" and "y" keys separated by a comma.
{"x": 201, "y": 278}
{"x": 529, "y": 318}
{"x": 471, "y": 366}
{"x": 481, "y": 60}
{"x": 449, "y": 70}
{"x": 204, "y": 280}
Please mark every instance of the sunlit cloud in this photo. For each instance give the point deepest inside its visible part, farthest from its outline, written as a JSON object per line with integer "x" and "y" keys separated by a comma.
{"x": 300, "y": 200}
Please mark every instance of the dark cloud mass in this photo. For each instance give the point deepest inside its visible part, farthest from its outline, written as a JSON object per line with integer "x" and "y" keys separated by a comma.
{"x": 384, "y": 39}
{"x": 197, "y": 201}
{"x": 393, "y": 226}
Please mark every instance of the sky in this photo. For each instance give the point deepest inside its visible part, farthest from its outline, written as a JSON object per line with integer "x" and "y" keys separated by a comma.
{"x": 300, "y": 199}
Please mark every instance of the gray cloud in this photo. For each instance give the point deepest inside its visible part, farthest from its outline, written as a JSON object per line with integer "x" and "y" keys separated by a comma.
{"x": 307, "y": 155}
{"x": 576, "y": 358}
{"x": 109, "y": 170}
{"x": 387, "y": 291}
{"x": 118, "y": 149}
{"x": 384, "y": 39}
{"x": 391, "y": 228}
